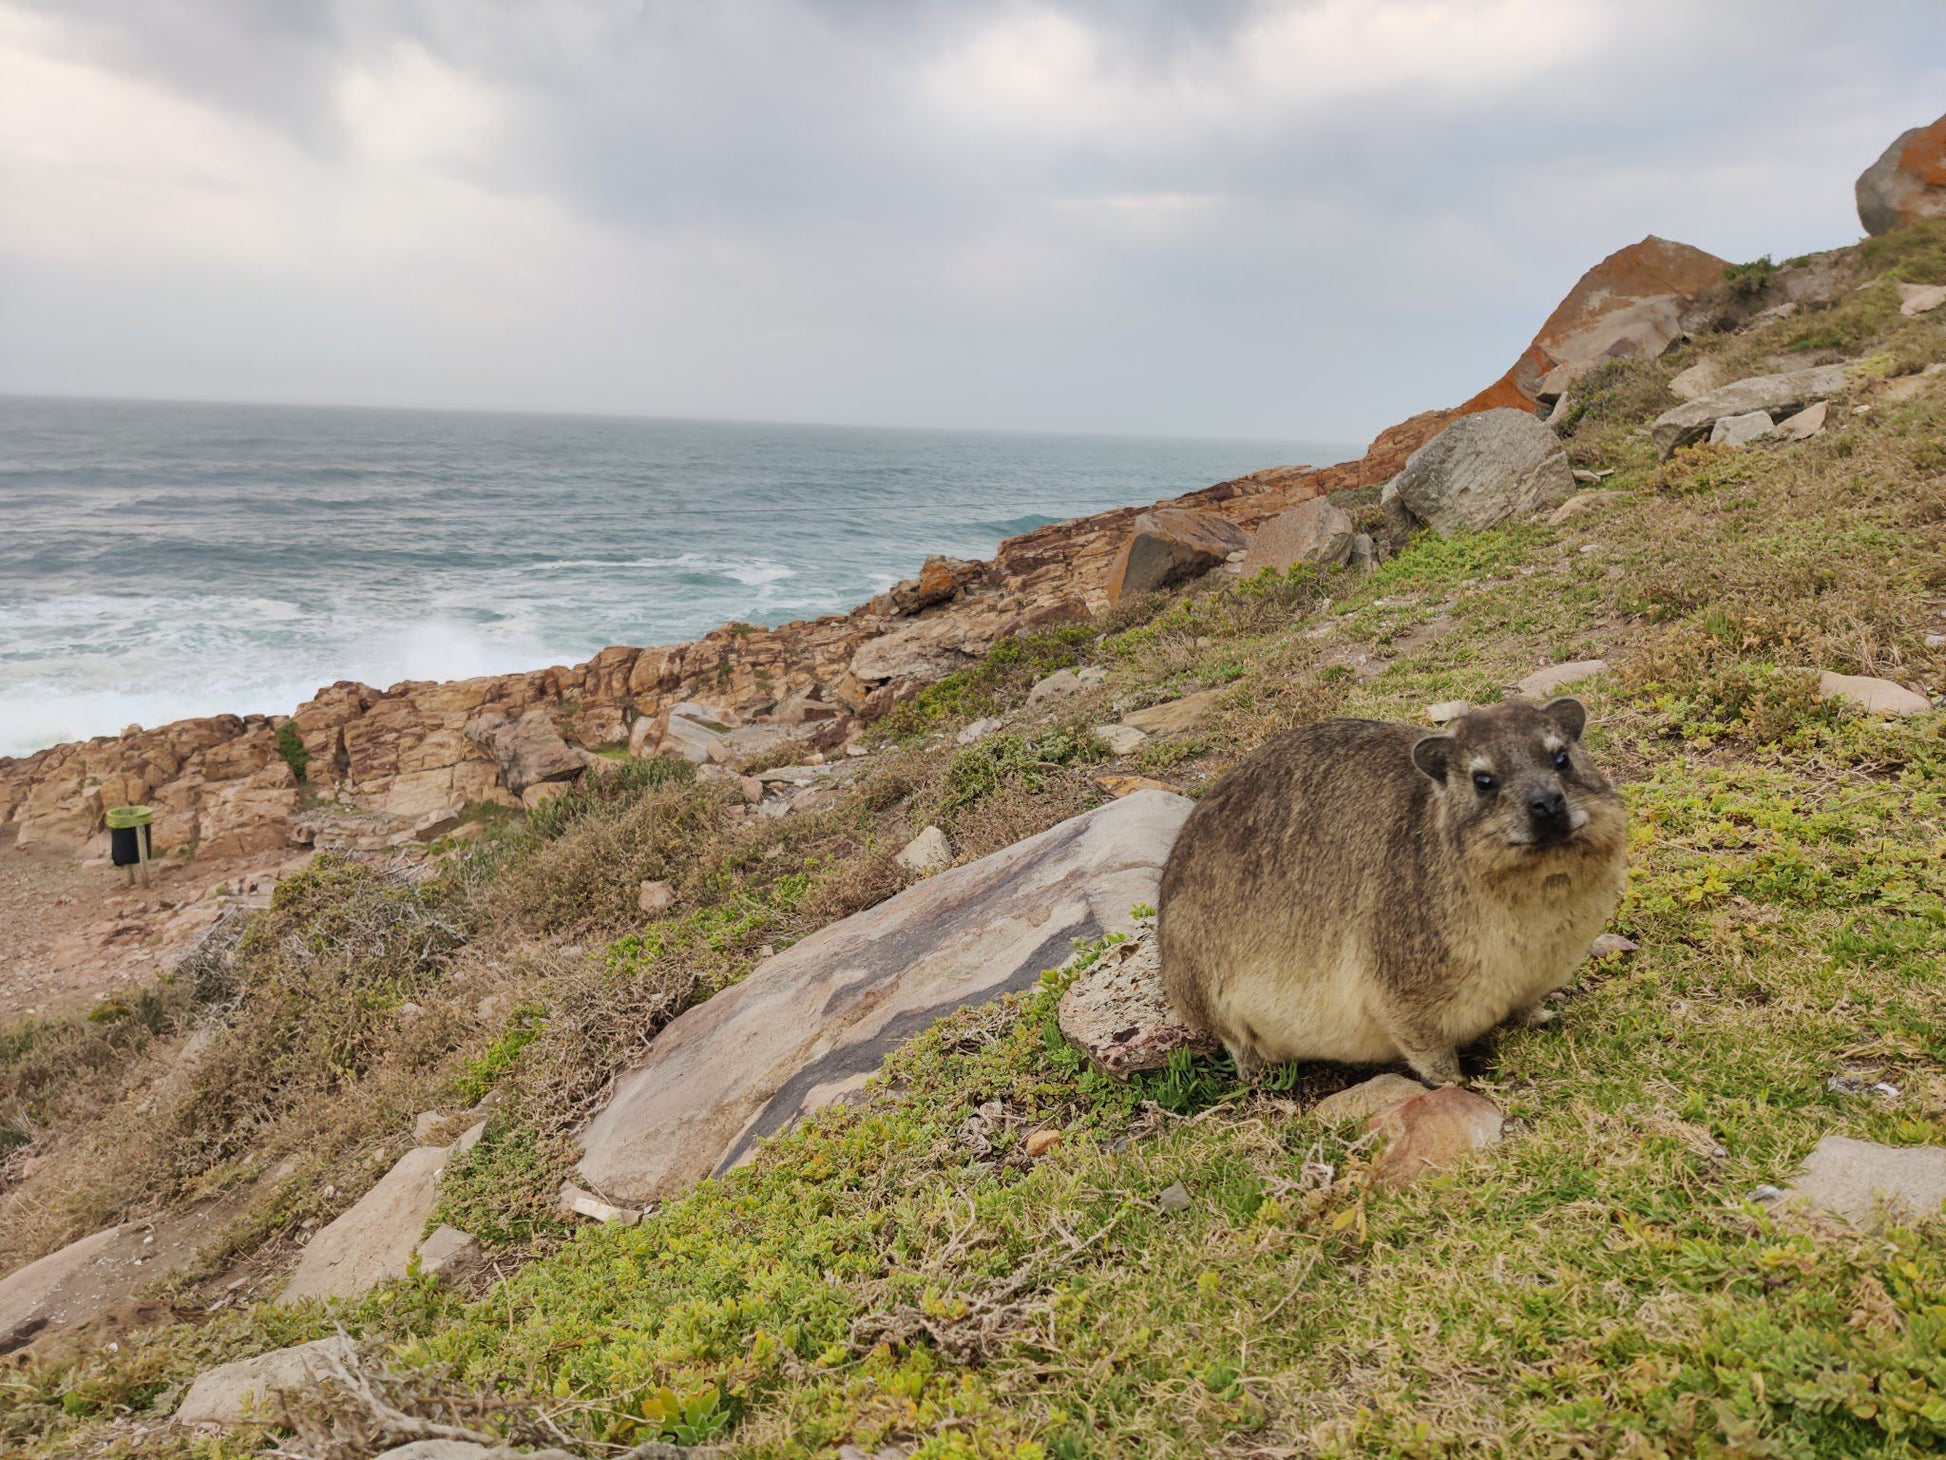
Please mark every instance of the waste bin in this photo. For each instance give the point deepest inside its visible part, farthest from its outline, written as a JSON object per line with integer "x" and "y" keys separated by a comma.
{"x": 128, "y": 838}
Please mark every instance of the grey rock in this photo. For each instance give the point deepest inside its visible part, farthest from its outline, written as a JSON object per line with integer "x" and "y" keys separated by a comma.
{"x": 252, "y": 1390}
{"x": 373, "y": 1242}
{"x": 1484, "y": 469}
{"x": 1173, "y": 1198}
{"x": 1877, "y": 696}
{"x": 1804, "y": 425}
{"x": 1916, "y": 299}
{"x": 1064, "y": 682}
{"x": 447, "y": 1252}
{"x": 1171, "y": 545}
{"x": 927, "y": 853}
{"x": 1613, "y": 945}
{"x": 977, "y": 731}
{"x": 1698, "y": 380}
{"x": 1317, "y": 531}
{"x": 1117, "y": 1015}
{"x": 578, "y": 1203}
{"x": 1740, "y": 430}
{"x": 1772, "y": 394}
{"x": 1864, "y": 1182}
{"x": 1364, "y": 552}
{"x": 810, "y": 1024}
{"x": 1121, "y": 739}
{"x": 1551, "y": 680}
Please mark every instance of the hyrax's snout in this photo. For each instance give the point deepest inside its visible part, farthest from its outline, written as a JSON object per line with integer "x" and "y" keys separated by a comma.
{"x": 1547, "y": 812}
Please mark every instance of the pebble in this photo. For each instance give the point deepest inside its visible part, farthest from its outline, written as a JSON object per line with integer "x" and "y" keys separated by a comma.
{"x": 1040, "y": 1142}
{"x": 1174, "y": 1197}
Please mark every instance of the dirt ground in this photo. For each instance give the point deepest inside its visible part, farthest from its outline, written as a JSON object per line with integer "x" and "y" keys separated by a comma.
{"x": 73, "y": 931}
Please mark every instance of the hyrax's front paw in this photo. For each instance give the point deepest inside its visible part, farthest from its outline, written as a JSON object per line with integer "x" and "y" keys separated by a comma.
{"x": 1438, "y": 1068}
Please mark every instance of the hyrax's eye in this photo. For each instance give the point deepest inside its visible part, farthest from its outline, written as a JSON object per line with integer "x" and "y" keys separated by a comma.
{"x": 1485, "y": 782}
{"x": 1561, "y": 759}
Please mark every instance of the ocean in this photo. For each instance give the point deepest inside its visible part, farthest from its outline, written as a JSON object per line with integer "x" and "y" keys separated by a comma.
{"x": 160, "y": 560}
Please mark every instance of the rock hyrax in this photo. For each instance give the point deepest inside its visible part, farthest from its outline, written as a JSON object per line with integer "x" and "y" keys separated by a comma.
{"x": 1368, "y": 892}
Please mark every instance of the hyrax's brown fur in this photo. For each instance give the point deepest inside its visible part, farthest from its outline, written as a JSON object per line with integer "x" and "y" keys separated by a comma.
{"x": 1368, "y": 892}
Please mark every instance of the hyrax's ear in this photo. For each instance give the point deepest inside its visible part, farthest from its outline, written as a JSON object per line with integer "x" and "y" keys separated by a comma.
{"x": 1568, "y": 714}
{"x": 1434, "y": 756}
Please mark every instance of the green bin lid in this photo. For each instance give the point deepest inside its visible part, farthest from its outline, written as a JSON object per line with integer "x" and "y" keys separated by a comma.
{"x": 124, "y": 816}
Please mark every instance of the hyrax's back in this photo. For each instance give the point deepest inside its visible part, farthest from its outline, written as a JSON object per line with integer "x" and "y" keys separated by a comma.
{"x": 1273, "y": 890}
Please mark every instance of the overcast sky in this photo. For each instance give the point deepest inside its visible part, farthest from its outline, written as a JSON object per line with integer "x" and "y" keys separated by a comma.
{"x": 1214, "y": 217}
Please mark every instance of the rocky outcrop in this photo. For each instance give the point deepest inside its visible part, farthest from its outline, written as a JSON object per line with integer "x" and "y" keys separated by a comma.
{"x": 1908, "y": 182}
{"x": 1482, "y": 470}
{"x": 1775, "y": 395}
{"x": 812, "y": 1022}
{"x": 1169, "y": 546}
{"x": 1628, "y": 305}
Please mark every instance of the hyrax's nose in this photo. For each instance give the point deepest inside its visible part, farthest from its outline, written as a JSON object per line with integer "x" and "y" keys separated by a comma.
{"x": 1547, "y": 807}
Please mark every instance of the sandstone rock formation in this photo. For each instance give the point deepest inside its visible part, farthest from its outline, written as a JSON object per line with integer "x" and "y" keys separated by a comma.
{"x": 811, "y": 1023}
{"x": 1482, "y": 470}
{"x": 1908, "y": 182}
{"x": 1628, "y": 305}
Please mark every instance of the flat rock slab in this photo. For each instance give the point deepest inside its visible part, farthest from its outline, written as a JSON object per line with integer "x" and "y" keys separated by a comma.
{"x": 1771, "y": 394}
{"x": 374, "y": 1241}
{"x": 1118, "y": 1016}
{"x": 1879, "y": 696}
{"x": 252, "y": 1390}
{"x": 1428, "y": 1133}
{"x": 1543, "y": 683}
{"x": 1865, "y": 1183}
{"x": 1177, "y": 717}
{"x": 811, "y": 1023}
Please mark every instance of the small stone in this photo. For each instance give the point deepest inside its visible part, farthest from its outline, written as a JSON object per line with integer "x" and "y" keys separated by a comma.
{"x": 1805, "y": 424}
{"x": 656, "y": 897}
{"x": 1878, "y": 696}
{"x": 1059, "y": 684}
{"x": 1367, "y": 1099}
{"x": 1121, "y": 739}
{"x": 751, "y": 788}
{"x": 1582, "y": 474}
{"x": 977, "y": 731}
{"x": 1577, "y": 504}
{"x": 1040, "y": 1142}
{"x": 1864, "y": 1182}
{"x": 1117, "y": 1014}
{"x": 424, "y": 1124}
{"x": 1766, "y": 1193}
{"x": 1613, "y": 945}
{"x": 1543, "y": 683}
{"x": 1740, "y": 430}
{"x": 1446, "y": 711}
{"x": 581, "y": 1203}
{"x": 1936, "y": 641}
{"x": 446, "y": 1252}
{"x": 1433, "y": 1130}
{"x": 1173, "y": 1198}
{"x": 927, "y": 853}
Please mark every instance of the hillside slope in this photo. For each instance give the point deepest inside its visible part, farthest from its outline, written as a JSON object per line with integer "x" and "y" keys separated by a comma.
{"x": 1192, "y": 1267}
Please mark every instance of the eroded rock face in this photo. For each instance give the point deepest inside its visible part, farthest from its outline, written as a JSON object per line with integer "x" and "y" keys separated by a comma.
{"x": 1169, "y": 546}
{"x": 1908, "y": 182}
{"x": 1628, "y": 305}
{"x": 811, "y": 1023}
{"x": 1483, "y": 470}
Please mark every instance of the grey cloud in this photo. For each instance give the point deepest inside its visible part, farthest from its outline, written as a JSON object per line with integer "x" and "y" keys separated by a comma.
{"x": 853, "y": 211}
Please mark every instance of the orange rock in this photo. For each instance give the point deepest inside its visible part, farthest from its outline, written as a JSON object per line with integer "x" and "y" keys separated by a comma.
{"x": 1629, "y": 304}
{"x": 1040, "y": 1142}
{"x": 1908, "y": 182}
{"x": 1430, "y": 1132}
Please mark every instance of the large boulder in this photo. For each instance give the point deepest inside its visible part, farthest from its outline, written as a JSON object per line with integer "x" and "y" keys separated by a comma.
{"x": 1908, "y": 182}
{"x": 1628, "y": 305}
{"x": 1775, "y": 395}
{"x": 1482, "y": 470}
{"x": 1171, "y": 545}
{"x": 528, "y": 750}
{"x": 811, "y": 1023}
{"x": 1317, "y": 531}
